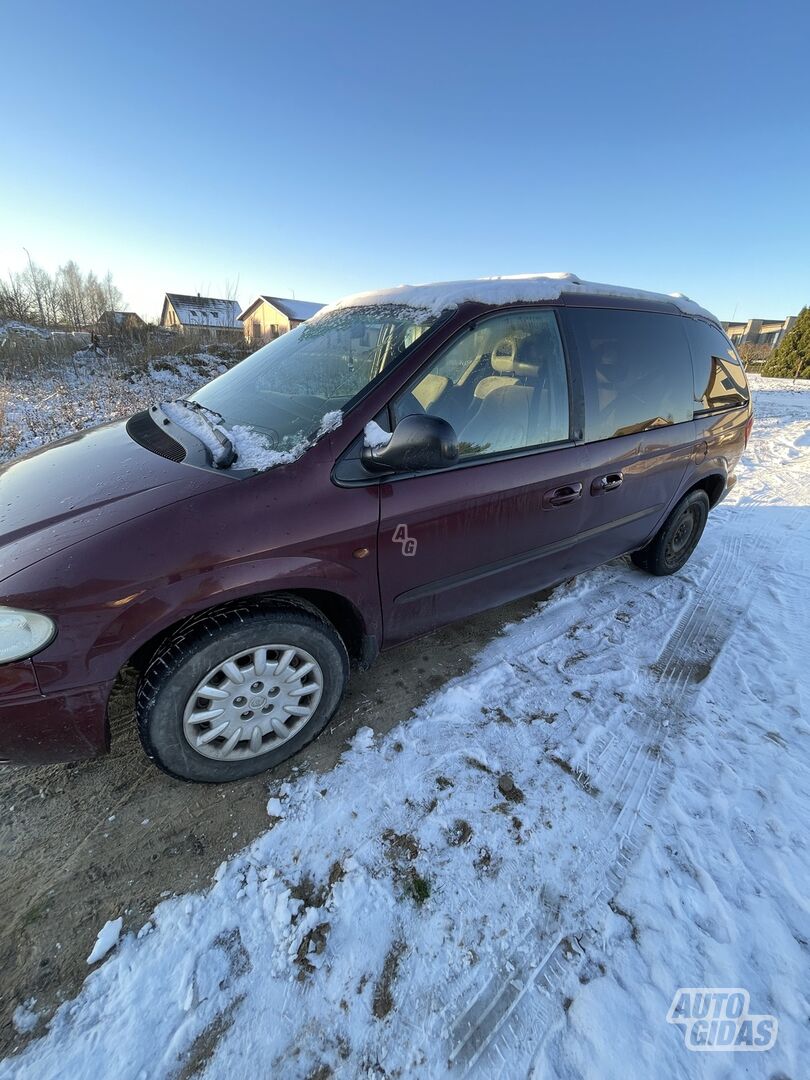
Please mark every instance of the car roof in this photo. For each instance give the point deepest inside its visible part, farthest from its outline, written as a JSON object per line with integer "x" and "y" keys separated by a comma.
{"x": 520, "y": 288}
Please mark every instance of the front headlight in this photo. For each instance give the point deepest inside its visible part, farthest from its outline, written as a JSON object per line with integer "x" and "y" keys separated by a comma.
{"x": 23, "y": 633}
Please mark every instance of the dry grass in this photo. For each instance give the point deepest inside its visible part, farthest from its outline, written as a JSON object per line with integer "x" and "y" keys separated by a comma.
{"x": 38, "y": 408}
{"x": 29, "y": 351}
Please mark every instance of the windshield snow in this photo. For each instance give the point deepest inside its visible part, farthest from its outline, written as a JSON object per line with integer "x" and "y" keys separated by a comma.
{"x": 288, "y": 392}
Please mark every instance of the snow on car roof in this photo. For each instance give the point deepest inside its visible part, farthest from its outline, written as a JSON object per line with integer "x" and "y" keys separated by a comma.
{"x": 520, "y": 288}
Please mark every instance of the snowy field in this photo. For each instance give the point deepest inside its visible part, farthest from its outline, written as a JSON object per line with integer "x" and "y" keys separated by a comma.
{"x": 611, "y": 805}
{"x": 38, "y": 409}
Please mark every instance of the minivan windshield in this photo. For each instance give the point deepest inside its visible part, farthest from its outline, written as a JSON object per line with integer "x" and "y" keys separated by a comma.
{"x": 299, "y": 384}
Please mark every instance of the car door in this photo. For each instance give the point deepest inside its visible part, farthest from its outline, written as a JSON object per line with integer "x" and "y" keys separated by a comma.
{"x": 638, "y": 428}
{"x": 502, "y": 521}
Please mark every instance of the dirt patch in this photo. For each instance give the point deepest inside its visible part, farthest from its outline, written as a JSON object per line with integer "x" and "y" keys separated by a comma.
{"x": 459, "y": 833}
{"x": 509, "y": 789}
{"x": 336, "y": 873}
{"x": 574, "y": 658}
{"x": 86, "y": 842}
{"x": 592, "y": 970}
{"x": 614, "y": 907}
{"x": 312, "y": 944}
{"x": 580, "y": 778}
{"x": 320, "y": 1072}
{"x": 400, "y": 846}
{"x": 310, "y": 894}
{"x": 202, "y": 1049}
{"x": 238, "y": 958}
{"x": 484, "y": 862}
{"x": 498, "y": 715}
{"x": 383, "y": 1001}
{"x": 474, "y": 763}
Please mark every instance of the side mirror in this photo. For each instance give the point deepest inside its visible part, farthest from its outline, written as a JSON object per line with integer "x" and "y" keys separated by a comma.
{"x": 418, "y": 443}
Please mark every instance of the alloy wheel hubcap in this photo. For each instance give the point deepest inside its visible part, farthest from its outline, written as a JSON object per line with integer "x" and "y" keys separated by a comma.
{"x": 253, "y": 702}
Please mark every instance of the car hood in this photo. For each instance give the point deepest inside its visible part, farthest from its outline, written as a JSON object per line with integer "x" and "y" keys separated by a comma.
{"x": 57, "y": 496}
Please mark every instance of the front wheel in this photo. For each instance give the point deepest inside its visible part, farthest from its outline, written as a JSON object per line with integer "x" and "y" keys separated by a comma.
{"x": 677, "y": 538}
{"x": 237, "y": 691}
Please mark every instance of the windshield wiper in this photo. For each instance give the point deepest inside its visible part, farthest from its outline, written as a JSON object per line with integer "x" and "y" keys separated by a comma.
{"x": 222, "y": 452}
{"x": 197, "y": 407}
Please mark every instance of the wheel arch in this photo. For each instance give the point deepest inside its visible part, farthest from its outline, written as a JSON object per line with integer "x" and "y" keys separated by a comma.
{"x": 336, "y": 609}
{"x": 713, "y": 484}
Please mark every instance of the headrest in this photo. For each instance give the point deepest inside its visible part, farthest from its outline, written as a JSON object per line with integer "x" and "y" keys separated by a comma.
{"x": 610, "y": 353}
{"x": 503, "y": 356}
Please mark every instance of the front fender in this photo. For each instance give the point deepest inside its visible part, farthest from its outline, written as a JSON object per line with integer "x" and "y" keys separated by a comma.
{"x": 99, "y": 634}
{"x": 116, "y": 590}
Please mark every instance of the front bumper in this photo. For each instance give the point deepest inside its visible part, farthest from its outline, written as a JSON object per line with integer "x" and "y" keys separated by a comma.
{"x": 37, "y": 728}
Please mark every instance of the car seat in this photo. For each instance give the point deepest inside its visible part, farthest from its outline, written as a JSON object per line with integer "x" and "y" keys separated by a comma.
{"x": 501, "y": 422}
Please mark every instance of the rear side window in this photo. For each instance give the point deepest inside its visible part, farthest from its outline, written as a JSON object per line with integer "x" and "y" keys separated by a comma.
{"x": 720, "y": 381}
{"x": 636, "y": 369}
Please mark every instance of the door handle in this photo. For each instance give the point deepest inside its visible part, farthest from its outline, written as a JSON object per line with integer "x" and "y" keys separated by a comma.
{"x": 561, "y": 496}
{"x": 606, "y": 483}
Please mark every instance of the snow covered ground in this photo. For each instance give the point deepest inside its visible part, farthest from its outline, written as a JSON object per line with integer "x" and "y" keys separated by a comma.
{"x": 613, "y": 804}
{"x": 38, "y": 409}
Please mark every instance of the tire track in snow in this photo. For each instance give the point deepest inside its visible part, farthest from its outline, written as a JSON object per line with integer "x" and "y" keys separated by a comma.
{"x": 511, "y": 1008}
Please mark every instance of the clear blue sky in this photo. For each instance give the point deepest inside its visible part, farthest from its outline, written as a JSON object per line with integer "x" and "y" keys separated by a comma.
{"x": 323, "y": 148}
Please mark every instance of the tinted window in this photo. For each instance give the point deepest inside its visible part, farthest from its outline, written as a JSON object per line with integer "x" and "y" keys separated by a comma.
{"x": 720, "y": 381}
{"x": 502, "y": 385}
{"x": 636, "y": 370}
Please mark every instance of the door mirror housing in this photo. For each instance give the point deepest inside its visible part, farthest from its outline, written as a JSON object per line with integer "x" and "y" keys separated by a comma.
{"x": 418, "y": 443}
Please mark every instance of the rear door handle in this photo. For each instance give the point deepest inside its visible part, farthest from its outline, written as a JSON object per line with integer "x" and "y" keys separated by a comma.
{"x": 561, "y": 496}
{"x": 606, "y": 483}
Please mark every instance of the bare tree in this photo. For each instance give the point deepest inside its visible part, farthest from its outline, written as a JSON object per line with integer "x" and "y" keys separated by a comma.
{"x": 42, "y": 290}
{"x": 230, "y": 294}
{"x": 15, "y": 298}
{"x": 113, "y": 297}
{"x": 67, "y": 298}
{"x": 71, "y": 295}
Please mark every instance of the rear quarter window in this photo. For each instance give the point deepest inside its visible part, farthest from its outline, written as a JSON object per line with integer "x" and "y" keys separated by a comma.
{"x": 636, "y": 370}
{"x": 720, "y": 381}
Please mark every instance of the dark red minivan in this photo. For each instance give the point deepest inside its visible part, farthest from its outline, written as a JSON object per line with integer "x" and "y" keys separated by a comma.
{"x": 403, "y": 459}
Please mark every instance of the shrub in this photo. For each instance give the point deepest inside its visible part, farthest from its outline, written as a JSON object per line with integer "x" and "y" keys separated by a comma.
{"x": 791, "y": 357}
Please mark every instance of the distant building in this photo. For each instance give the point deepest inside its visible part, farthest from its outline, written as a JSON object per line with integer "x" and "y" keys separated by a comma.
{"x": 119, "y": 322}
{"x": 207, "y": 314}
{"x": 766, "y": 333}
{"x": 269, "y": 316}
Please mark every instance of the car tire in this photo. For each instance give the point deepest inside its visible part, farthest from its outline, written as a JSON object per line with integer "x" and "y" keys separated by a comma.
{"x": 673, "y": 544}
{"x": 169, "y": 701}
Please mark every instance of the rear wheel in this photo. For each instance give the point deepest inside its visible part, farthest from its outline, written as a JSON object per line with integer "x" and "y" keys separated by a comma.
{"x": 237, "y": 691}
{"x": 677, "y": 538}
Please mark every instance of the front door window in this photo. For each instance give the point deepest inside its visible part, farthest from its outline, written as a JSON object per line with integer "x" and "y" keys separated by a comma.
{"x": 502, "y": 386}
